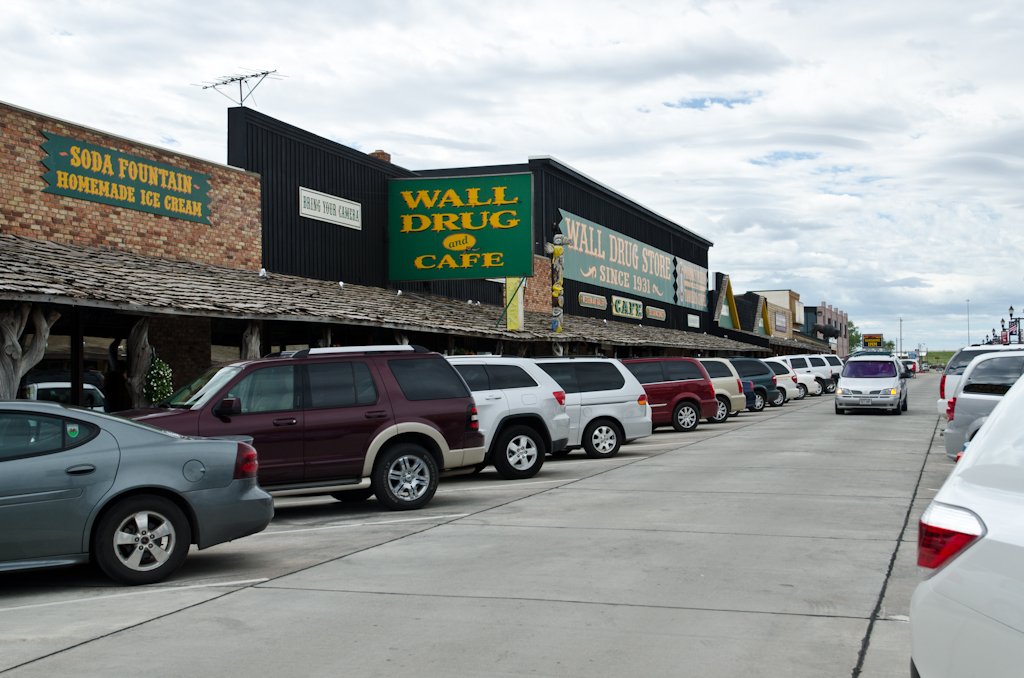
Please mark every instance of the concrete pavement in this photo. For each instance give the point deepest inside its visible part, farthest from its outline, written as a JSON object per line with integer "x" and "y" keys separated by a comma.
{"x": 761, "y": 546}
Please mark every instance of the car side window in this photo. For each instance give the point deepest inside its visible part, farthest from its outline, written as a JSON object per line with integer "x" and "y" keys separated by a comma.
{"x": 816, "y": 362}
{"x": 995, "y": 376}
{"x": 681, "y": 370}
{"x": 564, "y": 374}
{"x": 428, "y": 379}
{"x": 647, "y": 372}
{"x": 798, "y": 362}
{"x": 475, "y": 376}
{"x": 599, "y": 377}
{"x": 270, "y": 389}
{"x": 832, "y": 360}
{"x": 29, "y": 435}
{"x": 743, "y": 368}
{"x": 510, "y": 376}
{"x": 715, "y": 369}
{"x": 779, "y": 370}
{"x": 341, "y": 384}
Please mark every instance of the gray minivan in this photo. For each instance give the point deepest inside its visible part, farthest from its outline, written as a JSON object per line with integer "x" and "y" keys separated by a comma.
{"x": 987, "y": 378}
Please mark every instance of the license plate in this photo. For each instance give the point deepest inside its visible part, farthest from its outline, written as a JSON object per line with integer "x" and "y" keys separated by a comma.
{"x": 865, "y": 401}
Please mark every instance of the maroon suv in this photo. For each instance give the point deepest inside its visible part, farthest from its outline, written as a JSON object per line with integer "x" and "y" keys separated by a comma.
{"x": 679, "y": 390}
{"x": 353, "y": 422}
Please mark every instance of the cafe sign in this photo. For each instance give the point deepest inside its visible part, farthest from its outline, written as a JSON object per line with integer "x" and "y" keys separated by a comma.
{"x": 455, "y": 228}
{"x": 627, "y": 308}
{"x": 88, "y": 172}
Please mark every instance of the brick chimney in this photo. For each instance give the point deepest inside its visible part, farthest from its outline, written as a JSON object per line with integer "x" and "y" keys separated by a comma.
{"x": 381, "y": 155}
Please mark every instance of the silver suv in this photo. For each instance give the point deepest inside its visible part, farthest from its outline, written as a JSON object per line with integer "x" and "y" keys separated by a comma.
{"x": 958, "y": 363}
{"x": 607, "y": 406}
{"x": 521, "y": 411}
{"x": 987, "y": 378}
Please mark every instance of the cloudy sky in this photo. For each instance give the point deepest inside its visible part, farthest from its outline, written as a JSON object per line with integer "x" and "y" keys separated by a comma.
{"x": 865, "y": 154}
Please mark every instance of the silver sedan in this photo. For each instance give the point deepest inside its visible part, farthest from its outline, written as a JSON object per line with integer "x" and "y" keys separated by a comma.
{"x": 79, "y": 486}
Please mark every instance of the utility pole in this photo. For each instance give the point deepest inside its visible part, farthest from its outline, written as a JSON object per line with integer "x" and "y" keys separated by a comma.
{"x": 901, "y": 335}
{"x": 968, "y": 322}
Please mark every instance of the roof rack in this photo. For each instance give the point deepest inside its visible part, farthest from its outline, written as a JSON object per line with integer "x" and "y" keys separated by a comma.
{"x": 336, "y": 350}
{"x": 570, "y": 357}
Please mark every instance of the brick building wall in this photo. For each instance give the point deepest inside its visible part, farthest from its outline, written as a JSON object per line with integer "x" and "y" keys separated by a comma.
{"x": 232, "y": 238}
{"x": 538, "y": 290}
{"x": 183, "y": 342}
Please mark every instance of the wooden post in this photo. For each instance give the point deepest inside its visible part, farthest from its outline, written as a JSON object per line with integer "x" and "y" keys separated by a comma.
{"x": 15, "y": 361}
{"x": 251, "y": 341}
{"x": 77, "y": 357}
{"x": 140, "y": 356}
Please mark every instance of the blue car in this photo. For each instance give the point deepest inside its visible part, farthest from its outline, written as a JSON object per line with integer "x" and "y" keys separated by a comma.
{"x": 78, "y": 486}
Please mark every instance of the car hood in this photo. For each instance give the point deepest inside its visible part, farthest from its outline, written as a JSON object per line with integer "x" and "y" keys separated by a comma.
{"x": 180, "y": 421}
{"x": 866, "y": 385}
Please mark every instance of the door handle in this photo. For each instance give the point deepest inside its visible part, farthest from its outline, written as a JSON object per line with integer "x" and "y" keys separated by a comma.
{"x": 376, "y": 414}
{"x": 80, "y": 470}
{"x": 285, "y": 422}
{"x": 494, "y": 397}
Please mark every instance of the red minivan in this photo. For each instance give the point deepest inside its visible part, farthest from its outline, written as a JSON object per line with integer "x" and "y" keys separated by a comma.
{"x": 351, "y": 422}
{"x": 679, "y": 390}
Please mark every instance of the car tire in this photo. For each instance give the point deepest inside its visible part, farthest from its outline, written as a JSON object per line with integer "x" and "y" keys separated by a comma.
{"x": 353, "y": 496}
{"x": 518, "y": 453}
{"x": 723, "y": 412}
{"x": 898, "y": 410}
{"x": 830, "y": 386}
{"x": 123, "y": 545}
{"x": 685, "y": 417}
{"x": 758, "y": 402}
{"x": 602, "y": 439}
{"x": 404, "y": 477}
{"x": 819, "y": 388}
{"x": 778, "y": 399}
{"x": 801, "y": 391}
{"x": 906, "y": 403}
{"x": 840, "y": 410}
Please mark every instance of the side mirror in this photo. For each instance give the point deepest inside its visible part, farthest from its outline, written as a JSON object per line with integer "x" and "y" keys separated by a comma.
{"x": 228, "y": 407}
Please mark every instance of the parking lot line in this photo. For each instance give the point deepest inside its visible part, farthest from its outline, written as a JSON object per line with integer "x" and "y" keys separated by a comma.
{"x": 382, "y": 522}
{"x": 509, "y": 487}
{"x": 160, "y": 589}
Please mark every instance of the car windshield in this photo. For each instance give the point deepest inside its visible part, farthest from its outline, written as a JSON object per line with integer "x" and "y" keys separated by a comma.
{"x": 202, "y": 388}
{"x": 961, "y": 360}
{"x": 870, "y": 369}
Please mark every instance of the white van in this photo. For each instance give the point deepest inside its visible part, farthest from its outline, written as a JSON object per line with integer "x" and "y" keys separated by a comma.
{"x": 876, "y": 382}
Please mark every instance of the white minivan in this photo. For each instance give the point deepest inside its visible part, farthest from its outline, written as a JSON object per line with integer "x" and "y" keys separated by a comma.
{"x": 521, "y": 411}
{"x": 606, "y": 404}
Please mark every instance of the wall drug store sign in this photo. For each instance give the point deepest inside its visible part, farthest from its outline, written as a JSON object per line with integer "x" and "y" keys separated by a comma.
{"x": 89, "y": 172}
{"x": 452, "y": 228}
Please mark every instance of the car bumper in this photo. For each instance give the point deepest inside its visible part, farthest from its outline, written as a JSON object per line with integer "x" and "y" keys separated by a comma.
{"x": 954, "y": 441}
{"x": 708, "y": 408}
{"x": 559, "y": 445}
{"x": 854, "y": 402}
{"x": 940, "y": 405}
{"x": 737, "y": 402}
{"x": 225, "y": 513}
{"x": 636, "y": 427}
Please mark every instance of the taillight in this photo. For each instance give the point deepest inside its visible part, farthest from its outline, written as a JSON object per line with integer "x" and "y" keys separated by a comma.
{"x": 642, "y": 400}
{"x": 950, "y": 406}
{"x": 472, "y": 421}
{"x": 560, "y": 397}
{"x": 712, "y": 387}
{"x": 739, "y": 385}
{"x": 944, "y": 532}
{"x": 246, "y": 462}
{"x": 942, "y": 387}
{"x": 774, "y": 380}
{"x": 795, "y": 380}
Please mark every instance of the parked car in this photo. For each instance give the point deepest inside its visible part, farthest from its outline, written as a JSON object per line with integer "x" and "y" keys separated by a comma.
{"x": 728, "y": 389}
{"x": 981, "y": 387}
{"x": 816, "y": 366}
{"x": 965, "y": 617}
{"x": 751, "y": 396}
{"x": 606, "y": 405}
{"x": 679, "y": 390}
{"x": 351, "y": 422}
{"x": 786, "y": 380}
{"x": 60, "y": 392}
{"x": 872, "y": 382}
{"x": 521, "y": 411}
{"x": 911, "y": 366}
{"x": 957, "y": 364}
{"x": 79, "y": 486}
{"x": 765, "y": 386}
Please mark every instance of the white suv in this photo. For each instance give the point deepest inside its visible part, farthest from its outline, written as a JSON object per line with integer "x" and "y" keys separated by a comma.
{"x": 786, "y": 380}
{"x": 826, "y": 374}
{"x": 956, "y": 366}
{"x": 607, "y": 406}
{"x": 521, "y": 411}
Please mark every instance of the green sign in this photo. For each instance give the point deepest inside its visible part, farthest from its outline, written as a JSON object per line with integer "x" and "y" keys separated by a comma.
{"x": 99, "y": 174}
{"x": 592, "y": 301}
{"x": 460, "y": 227}
{"x": 627, "y": 308}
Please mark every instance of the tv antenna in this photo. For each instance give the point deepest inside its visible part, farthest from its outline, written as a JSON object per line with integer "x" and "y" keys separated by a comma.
{"x": 243, "y": 81}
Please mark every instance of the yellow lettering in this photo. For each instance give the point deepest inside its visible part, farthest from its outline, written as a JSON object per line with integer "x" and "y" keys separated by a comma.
{"x": 163, "y": 176}
{"x": 499, "y": 196}
{"x": 107, "y": 167}
{"x": 97, "y": 161}
{"x": 169, "y": 202}
{"x": 76, "y": 160}
{"x": 121, "y": 165}
{"x": 442, "y": 221}
{"x": 473, "y": 198}
{"x": 451, "y": 198}
{"x": 421, "y": 261}
{"x": 62, "y": 179}
{"x": 73, "y": 182}
{"x": 421, "y": 196}
{"x": 467, "y": 221}
{"x": 199, "y": 209}
{"x": 133, "y": 170}
{"x": 492, "y": 259}
{"x": 185, "y": 183}
{"x": 496, "y": 223}
{"x": 469, "y": 260}
{"x": 131, "y": 193}
{"x": 103, "y": 188}
{"x": 447, "y": 262}
{"x": 407, "y": 226}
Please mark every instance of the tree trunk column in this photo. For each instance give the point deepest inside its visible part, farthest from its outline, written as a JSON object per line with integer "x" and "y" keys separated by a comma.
{"x": 77, "y": 357}
{"x": 140, "y": 357}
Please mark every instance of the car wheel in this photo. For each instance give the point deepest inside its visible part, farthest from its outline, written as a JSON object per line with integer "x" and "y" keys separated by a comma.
{"x": 685, "y": 417}
{"x": 404, "y": 477}
{"x": 818, "y": 387}
{"x": 758, "y": 402}
{"x": 723, "y": 412}
{"x": 602, "y": 439}
{"x": 906, "y": 403}
{"x": 778, "y": 399}
{"x": 840, "y": 410}
{"x": 898, "y": 410}
{"x": 353, "y": 496}
{"x": 519, "y": 453}
{"x": 141, "y": 540}
{"x": 830, "y": 386}
{"x": 801, "y": 391}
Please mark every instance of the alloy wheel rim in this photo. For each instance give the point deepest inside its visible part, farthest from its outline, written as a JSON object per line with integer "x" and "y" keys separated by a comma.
{"x": 144, "y": 541}
{"x": 758, "y": 401}
{"x": 521, "y": 452}
{"x": 687, "y": 417}
{"x": 604, "y": 439}
{"x": 723, "y": 411}
{"x": 779, "y": 398}
{"x": 408, "y": 477}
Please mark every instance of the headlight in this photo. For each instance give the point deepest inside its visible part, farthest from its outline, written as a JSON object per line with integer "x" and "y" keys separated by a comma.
{"x": 893, "y": 391}
{"x": 839, "y": 391}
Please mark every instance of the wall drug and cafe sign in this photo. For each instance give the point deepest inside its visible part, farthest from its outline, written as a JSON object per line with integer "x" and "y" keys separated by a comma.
{"x": 452, "y": 228}
{"x": 89, "y": 172}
